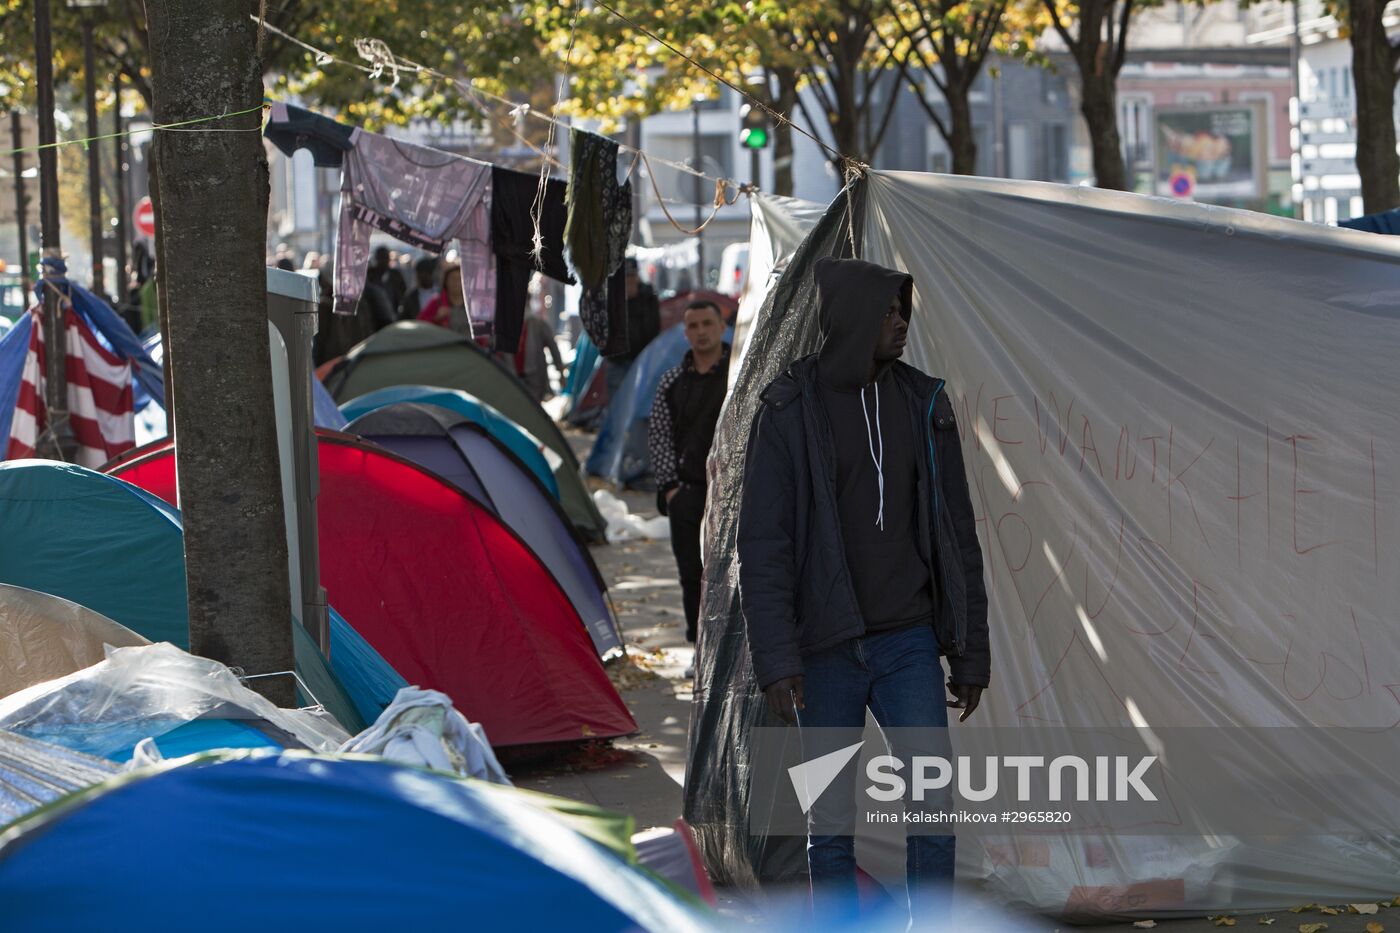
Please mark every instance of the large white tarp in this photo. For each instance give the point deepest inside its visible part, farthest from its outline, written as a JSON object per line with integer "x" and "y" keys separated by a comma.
{"x": 1180, "y": 430}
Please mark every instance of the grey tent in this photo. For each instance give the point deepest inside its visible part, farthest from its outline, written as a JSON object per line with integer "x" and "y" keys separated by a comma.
{"x": 467, "y": 455}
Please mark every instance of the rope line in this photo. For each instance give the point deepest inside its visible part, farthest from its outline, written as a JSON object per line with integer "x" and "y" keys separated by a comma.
{"x": 164, "y": 127}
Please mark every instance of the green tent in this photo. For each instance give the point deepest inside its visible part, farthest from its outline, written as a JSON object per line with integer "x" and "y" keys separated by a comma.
{"x": 104, "y": 544}
{"x": 418, "y": 353}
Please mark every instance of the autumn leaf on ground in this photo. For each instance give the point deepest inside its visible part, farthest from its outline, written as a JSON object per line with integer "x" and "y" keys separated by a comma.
{"x": 1330, "y": 911}
{"x": 1374, "y": 927}
{"x": 1266, "y": 921}
{"x": 1363, "y": 908}
{"x": 1145, "y": 924}
{"x": 1311, "y": 927}
{"x": 1224, "y": 921}
{"x": 1300, "y": 908}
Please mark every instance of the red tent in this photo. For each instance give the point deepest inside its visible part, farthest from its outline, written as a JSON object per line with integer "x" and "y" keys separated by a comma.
{"x": 449, "y": 596}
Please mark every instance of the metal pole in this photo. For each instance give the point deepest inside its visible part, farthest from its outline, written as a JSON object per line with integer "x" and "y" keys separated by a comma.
{"x": 699, "y": 196}
{"x": 21, "y": 202}
{"x": 56, "y": 389}
{"x": 120, "y": 159}
{"x": 94, "y": 159}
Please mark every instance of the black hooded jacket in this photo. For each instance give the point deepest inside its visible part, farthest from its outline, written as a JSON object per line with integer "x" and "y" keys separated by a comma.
{"x": 795, "y": 579}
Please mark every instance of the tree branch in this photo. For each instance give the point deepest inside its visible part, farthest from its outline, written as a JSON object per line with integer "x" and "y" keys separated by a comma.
{"x": 1120, "y": 51}
{"x": 1070, "y": 42}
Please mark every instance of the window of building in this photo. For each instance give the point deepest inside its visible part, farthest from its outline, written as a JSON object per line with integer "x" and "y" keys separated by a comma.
{"x": 1056, "y": 152}
{"x": 1346, "y": 81}
{"x": 717, "y": 156}
{"x": 1268, "y": 98}
{"x": 1020, "y": 151}
{"x": 1135, "y": 128}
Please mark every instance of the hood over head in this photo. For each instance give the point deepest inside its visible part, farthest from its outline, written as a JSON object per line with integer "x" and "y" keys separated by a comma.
{"x": 853, "y": 296}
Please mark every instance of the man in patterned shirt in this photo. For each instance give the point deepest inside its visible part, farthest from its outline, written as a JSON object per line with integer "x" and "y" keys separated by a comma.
{"x": 682, "y": 427}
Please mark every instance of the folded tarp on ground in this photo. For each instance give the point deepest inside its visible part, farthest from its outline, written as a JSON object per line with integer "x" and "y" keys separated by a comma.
{"x": 34, "y": 773}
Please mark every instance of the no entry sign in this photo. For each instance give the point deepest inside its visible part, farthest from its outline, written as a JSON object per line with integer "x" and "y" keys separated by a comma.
{"x": 144, "y": 217}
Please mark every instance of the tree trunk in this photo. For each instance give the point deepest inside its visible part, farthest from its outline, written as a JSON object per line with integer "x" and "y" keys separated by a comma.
{"x": 213, "y": 198}
{"x": 961, "y": 141}
{"x": 1100, "y": 108}
{"x": 1373, "y": 71}
{"x": 785, "y": 103}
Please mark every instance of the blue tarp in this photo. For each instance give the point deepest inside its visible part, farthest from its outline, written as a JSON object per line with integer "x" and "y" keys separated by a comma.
{"x": 293, "y": 841}
{"x": 14, "y": 346}
{"x": 516, "y": 439}
{"x": 620, "y": 451}
{"x": 119, "y": 551}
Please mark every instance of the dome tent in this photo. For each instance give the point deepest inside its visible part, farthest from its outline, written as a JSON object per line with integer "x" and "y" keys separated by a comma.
{"x": 43, "y": 636}
{"x": 459, "y": 450}
{"x": 119, "y": 551}
{"x": 449, "y": 595}
{"x": 417, "y": 353}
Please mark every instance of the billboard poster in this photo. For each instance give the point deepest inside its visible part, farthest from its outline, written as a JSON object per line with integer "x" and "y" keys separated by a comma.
{"x": 1211, "y": 152}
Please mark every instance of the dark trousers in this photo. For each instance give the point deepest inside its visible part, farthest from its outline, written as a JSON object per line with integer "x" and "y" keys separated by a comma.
{"x": 686, "y": 511}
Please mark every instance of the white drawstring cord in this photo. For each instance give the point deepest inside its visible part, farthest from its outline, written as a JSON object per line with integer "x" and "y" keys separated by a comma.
{"x": 870, "y": 439}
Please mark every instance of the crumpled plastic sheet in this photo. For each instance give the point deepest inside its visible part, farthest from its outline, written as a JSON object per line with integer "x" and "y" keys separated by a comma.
{"x": 34, "y": 773}
{"x": 423, "y": 728}
{"x": 727, "y": 702}
{"x": 145, "y": 692}
{"x": 623, "y": 525}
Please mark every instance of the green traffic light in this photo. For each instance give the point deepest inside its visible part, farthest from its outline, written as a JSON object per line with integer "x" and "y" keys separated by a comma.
{"x": 754, "y": 137}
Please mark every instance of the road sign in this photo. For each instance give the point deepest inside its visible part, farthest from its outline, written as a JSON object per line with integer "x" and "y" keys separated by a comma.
{"x": 1182, "y": 184}
{"x": 144, "y": 218}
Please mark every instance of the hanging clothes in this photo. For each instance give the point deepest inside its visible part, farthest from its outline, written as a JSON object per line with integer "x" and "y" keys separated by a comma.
{"x": 598, "y": 227}
{"x": 512, "y": 237}
{"x": 290, "y": 128}
{"x": 425, "y": 198}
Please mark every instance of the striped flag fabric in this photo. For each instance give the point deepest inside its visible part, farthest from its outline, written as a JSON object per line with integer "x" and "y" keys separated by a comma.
{"x": 101, "y": 413}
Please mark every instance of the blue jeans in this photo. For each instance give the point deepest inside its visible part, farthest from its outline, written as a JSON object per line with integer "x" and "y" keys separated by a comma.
{"x": 898, "y": 676}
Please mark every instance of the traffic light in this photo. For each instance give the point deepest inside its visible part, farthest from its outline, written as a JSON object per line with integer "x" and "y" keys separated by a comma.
{"x": 753, "y": 127}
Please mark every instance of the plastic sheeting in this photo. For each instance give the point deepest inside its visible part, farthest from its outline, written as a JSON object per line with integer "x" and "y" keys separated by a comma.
{"x": 777, "y": 226}
{"x": 296, "y": 841}
{"x": 1176, "y": 423}
{"x": 727, "y": 703}
{"x": 423, "y": 728}
{"x": 43, "y": 637}
{"x": 34, "y": 773}
{"x": 626, "y": 526}
{"x": 148, "y": 691}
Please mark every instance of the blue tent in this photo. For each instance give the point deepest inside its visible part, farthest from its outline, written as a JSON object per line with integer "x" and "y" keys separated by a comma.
{"x": 515, "y": 438}
{"x": 620, "y": 451}
{"x": 116, "y": 549}
{"x": 289, "y": 841}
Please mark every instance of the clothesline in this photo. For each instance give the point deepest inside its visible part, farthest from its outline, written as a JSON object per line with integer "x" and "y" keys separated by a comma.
{"x": 383, "y": 58}
{"x": 179, "y": 127}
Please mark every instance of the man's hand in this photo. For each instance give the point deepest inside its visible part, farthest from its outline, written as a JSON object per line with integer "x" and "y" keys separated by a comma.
{"x": 967, "y": 698}
{"x": 671, "y": 493}
{"x": 785, "y": 698}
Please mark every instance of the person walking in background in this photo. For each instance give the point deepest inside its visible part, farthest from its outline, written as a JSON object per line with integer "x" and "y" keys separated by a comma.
{"x": 425, "y": 289}
{"x": 383, "y": 273}
{"x": 537, "y": 348}
{"x": 859, "y": 562}
{"x": 680, "y": 432}
{"x": 643, "y": 324}
{"x": 449, "y": 309}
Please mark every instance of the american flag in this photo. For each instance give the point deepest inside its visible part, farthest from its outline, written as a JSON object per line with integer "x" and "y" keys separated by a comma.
{"x": 100, "y": 409}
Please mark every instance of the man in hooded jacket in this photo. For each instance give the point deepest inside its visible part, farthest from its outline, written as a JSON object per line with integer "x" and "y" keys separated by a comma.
{"x": 858, "y": 551}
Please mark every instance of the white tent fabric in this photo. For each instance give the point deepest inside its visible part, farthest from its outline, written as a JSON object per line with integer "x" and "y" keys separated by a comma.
{"x": 1179, "y": 424}
{"x": 777, "y": 225}
{"x": 43, "y": 637}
